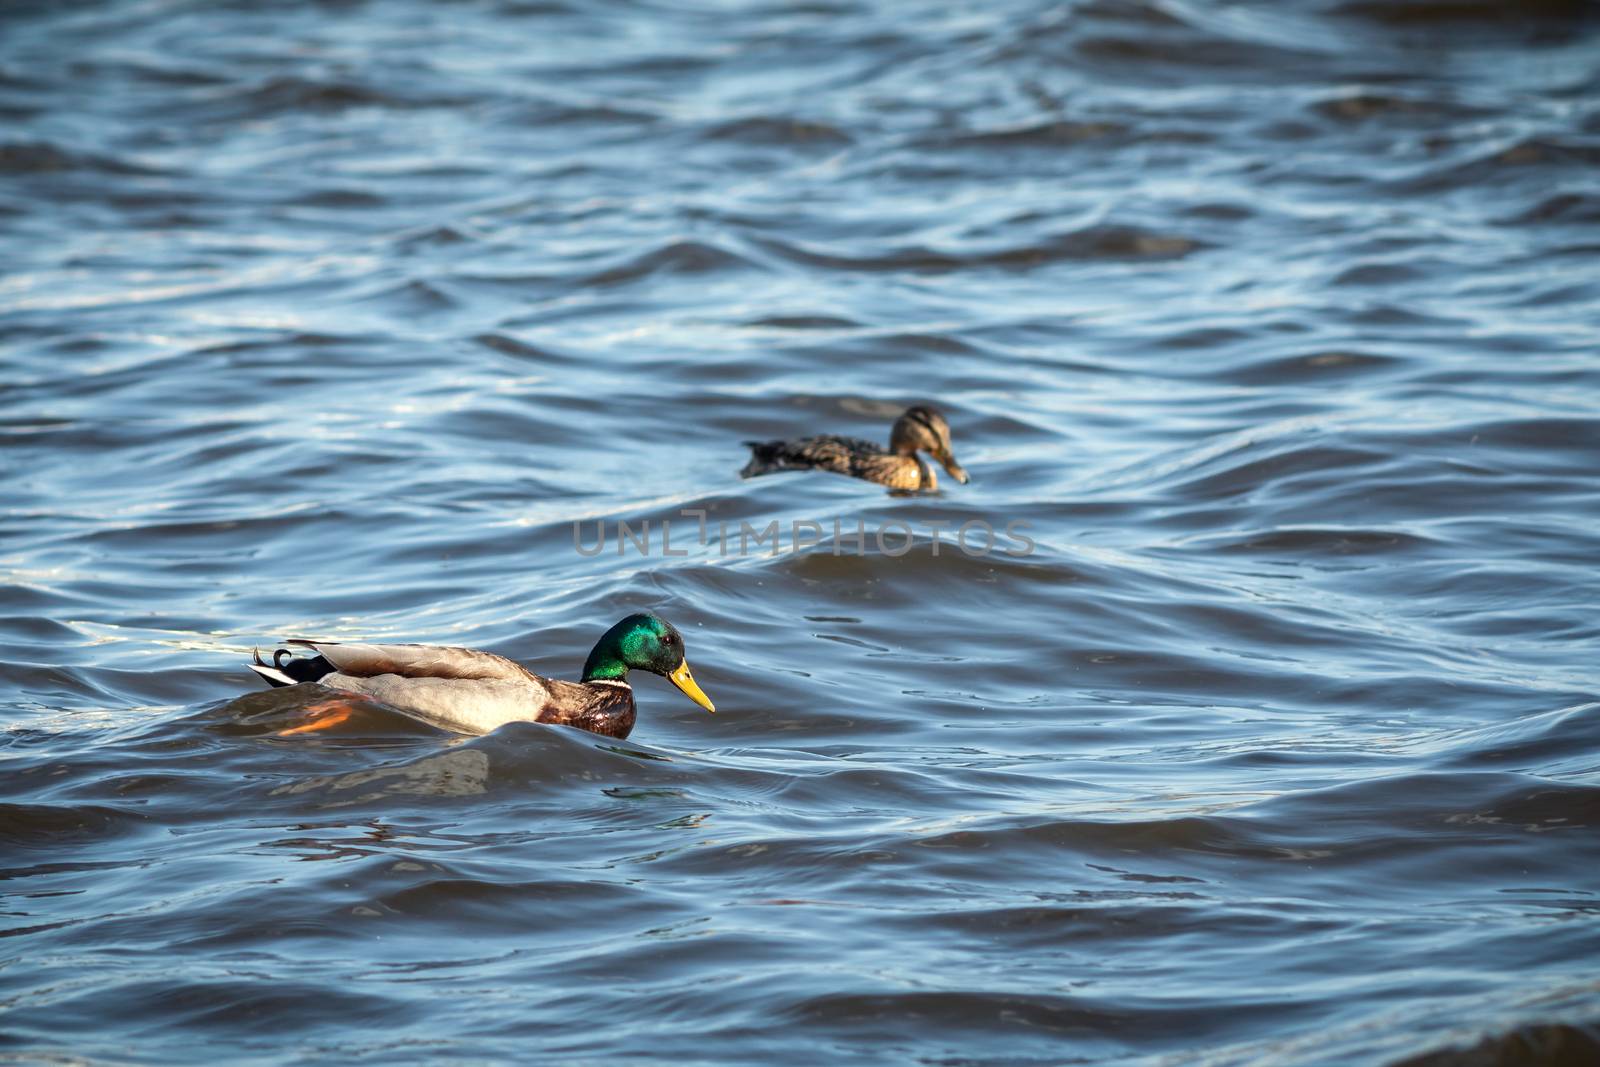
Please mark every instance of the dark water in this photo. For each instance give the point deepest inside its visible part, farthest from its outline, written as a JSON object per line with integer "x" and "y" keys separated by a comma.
{"x": 1276, "y": 324}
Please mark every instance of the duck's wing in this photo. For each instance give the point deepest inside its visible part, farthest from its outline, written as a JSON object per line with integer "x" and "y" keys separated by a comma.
{"x": 828, "y": 453}
{"x": 419, "y": 661}
{"x": 465, "y": 705}
{"x": 460, "y": 689}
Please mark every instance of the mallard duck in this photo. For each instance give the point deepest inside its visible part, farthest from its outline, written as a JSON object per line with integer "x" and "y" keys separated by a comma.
{"x": 921, "y": 428}
{"x": 473, "y": 692}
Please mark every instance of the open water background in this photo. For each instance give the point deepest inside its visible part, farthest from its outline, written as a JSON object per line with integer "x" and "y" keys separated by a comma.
{"x": 1277, "y": 323}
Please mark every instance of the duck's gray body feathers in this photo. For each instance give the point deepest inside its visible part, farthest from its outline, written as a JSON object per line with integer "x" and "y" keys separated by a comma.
{"x": 466, "y": 690}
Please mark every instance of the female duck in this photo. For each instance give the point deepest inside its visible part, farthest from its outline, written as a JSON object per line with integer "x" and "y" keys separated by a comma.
{"x": 921, "y": 428}
{"x": 474, "y": 692}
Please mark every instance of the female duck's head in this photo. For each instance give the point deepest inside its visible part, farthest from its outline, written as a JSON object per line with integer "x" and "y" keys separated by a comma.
{"x": 644, "y": 642}
{"x": 924, "y": 428}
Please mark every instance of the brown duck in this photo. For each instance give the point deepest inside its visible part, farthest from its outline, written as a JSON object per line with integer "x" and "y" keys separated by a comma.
{"x": 920, "y": 429}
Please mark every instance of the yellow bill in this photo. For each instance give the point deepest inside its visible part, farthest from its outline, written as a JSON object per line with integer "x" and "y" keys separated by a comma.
{"x": 685, "y": 681}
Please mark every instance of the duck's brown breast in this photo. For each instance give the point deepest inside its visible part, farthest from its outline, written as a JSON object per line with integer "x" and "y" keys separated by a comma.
{"x": 895, "y": 472}
{"x": 605, "y": 708}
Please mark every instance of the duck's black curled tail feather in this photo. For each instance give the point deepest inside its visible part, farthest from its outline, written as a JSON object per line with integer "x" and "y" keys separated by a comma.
{"x": 286, "y": 670}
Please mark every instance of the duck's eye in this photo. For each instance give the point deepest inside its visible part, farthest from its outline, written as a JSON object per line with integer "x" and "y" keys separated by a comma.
{"x": 670, "y": 639}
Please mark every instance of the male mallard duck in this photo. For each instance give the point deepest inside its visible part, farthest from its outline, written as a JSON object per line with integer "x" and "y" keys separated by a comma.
{"x": 473, "y": 692}
{"x": 920, "y": 428}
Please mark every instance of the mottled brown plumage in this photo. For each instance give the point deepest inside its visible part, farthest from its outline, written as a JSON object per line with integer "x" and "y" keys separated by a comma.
{"x": 920, "y": 429}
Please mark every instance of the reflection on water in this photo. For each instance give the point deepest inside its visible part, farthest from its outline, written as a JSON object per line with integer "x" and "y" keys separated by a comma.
{"x": 450, "y": 774}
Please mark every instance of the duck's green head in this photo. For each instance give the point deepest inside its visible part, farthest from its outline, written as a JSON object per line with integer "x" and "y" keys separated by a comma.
{"x": 645, "y": 642}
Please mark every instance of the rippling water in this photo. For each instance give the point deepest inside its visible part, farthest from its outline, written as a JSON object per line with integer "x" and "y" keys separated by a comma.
{"x": 1275, "y": 324}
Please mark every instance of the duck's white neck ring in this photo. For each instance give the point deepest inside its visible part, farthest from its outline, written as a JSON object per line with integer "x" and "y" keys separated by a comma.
{"x": 608, "y": 681}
